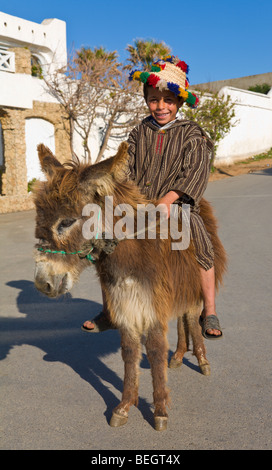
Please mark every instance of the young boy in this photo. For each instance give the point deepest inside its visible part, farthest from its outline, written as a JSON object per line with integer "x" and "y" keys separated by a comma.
{"x": 170, "y": 161}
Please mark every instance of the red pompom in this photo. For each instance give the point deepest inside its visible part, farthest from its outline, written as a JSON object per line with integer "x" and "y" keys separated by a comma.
{"x": 196, "y": 101}
{"x": 183, "y": 66}
{"x": 153, "y": 80}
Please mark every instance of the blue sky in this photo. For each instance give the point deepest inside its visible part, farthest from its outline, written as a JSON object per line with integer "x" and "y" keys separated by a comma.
{"x": 218, "y": 39}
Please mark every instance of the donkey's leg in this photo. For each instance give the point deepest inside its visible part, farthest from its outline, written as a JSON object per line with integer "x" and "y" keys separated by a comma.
{"x": 157, "y": 351}
{"x": 199, "y": 349}
{"x": 183, "y": 342}
{"x": 131, "y": 354}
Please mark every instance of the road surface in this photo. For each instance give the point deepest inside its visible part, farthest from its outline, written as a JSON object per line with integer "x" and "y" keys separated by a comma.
{"x": 59, "y": 384}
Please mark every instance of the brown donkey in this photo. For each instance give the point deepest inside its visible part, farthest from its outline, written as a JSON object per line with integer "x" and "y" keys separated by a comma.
{"x": 145, "y": 282}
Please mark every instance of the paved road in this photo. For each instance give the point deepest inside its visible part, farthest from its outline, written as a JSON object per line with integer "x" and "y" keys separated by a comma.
{"x": 59, "y": 384}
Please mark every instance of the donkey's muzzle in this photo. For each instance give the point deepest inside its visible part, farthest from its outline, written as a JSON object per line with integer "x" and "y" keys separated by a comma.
{"x": 52, "y": 285}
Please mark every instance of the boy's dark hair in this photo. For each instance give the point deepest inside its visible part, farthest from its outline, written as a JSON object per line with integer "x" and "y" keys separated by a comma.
{"x": 145, "y": 91}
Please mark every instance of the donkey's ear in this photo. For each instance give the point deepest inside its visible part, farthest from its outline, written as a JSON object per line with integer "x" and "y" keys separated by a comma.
{"x": 119, "y": 166}
{"x": 48, "y": 161}
{"x": 102, "y": 175}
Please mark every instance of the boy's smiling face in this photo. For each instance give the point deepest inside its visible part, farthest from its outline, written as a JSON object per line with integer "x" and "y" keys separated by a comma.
{"x": 163, "y": 105}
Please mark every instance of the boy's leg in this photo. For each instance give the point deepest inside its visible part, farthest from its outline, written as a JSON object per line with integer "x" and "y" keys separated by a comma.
{"x": 205, "y": 258}
{"x": 208, "y": 290}
{"x": 101, "y": 322}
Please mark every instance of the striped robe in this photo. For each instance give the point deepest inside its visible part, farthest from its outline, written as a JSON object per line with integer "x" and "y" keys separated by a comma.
{"x": 176, "y": 158}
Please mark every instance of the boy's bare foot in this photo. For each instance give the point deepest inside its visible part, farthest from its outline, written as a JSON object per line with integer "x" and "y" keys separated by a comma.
{"x": 100, "y": 323}
{"x": 210, "y": 319}
{"x": 88, "y": 325}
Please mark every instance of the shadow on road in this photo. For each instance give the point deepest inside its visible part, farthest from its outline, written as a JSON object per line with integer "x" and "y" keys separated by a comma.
{"x": 53, "y": 325}
{"x": 264, "y": 172}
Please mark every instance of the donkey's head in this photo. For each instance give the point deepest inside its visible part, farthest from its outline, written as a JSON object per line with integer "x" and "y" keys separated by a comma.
{"x": 60, "y": 215}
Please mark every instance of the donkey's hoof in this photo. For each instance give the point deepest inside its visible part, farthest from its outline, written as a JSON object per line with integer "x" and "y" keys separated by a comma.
{"x": 160, "y": 423}
{"x": 118, "y": 420}
{"x": 205, "y": 369}
{"x": 174, "y": 363}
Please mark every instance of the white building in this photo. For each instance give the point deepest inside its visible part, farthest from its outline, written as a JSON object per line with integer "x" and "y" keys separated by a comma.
{"x": 28, "y": 113}
{"x": 46, "y": 41}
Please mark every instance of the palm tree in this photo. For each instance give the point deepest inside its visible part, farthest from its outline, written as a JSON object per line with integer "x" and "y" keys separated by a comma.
{"x": 144, "y": 52}
{"x": 86, "y": 54}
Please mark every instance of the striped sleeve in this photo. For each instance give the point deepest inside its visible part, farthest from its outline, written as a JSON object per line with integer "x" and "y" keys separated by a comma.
{"x": 194, "y": 172}
{"x": 132, "y": 142}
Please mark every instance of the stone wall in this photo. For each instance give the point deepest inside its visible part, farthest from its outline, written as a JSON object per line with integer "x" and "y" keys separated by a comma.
{"x": 243, "y": 83}
{"x": 15, "y": 196}
{"x": 22, "y": 59}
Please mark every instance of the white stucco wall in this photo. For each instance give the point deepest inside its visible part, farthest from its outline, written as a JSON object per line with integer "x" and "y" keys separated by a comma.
{"x": 20, "y": 90}
{"x": 95, "y": 141}
{"x": 252, "y": 133}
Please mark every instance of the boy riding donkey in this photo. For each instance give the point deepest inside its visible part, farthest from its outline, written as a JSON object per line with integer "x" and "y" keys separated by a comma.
{"x": 170, "y": 162}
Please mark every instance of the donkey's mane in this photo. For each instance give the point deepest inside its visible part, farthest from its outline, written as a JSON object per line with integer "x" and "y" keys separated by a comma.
{"x": 68, "y": 183}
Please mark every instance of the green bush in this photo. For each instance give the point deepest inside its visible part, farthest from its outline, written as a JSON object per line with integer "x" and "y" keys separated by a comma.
{"x": 30, "y": 184}
{"x": 264, "y": 88}
{"x": 214, "y": 114}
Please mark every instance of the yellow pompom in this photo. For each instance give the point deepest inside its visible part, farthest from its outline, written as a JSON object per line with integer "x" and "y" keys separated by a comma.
{"x": 184, "y": 94}
{"x": 136, "y": 75}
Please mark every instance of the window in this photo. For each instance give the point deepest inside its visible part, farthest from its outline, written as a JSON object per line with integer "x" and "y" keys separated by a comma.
{"x": 7, "y": 60}
{"x": 36, "y": 67}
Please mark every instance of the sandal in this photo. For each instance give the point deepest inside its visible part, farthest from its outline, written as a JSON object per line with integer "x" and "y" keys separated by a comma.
{"x": 101, "y": 323}
{"x": 211, "y": 322}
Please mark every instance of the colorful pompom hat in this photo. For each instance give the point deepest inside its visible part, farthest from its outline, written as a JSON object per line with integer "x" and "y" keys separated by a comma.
{"x": 168, "y": 73}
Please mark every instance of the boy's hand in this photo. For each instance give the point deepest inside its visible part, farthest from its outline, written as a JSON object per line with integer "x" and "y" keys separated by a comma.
{"x": 169, "y": 199}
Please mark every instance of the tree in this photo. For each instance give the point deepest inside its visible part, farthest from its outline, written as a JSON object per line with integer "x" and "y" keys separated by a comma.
{"x": 144, "y": 52}
{"x": 214, "y": 114}
{"x": 96, "y": 85}
{"x": 80, "y": 89}
{"x": 121, "y": 106}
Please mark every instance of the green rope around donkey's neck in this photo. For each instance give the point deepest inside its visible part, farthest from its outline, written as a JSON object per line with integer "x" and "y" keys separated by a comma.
{"x": 61, "y": 252}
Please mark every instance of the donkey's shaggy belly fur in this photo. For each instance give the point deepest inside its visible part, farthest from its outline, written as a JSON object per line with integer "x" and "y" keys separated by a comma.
{"x": 132, "y": 307}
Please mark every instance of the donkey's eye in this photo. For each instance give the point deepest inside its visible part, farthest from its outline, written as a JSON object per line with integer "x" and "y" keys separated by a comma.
{"x": 65, "y": 223}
